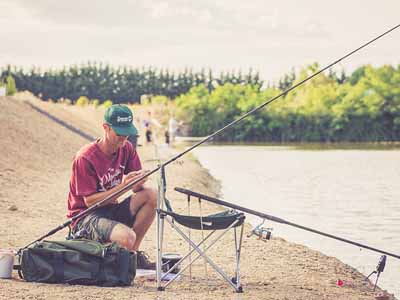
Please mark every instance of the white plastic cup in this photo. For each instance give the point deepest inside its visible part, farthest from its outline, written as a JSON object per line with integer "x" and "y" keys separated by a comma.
{"x": 6, "y": 263}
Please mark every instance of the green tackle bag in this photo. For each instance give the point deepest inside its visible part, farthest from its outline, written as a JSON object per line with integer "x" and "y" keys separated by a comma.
{"x": 78, "y": 262}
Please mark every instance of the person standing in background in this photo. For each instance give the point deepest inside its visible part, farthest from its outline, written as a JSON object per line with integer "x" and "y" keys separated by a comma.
{"x": 173, "y": 127}
{"x": 147, "y": 128}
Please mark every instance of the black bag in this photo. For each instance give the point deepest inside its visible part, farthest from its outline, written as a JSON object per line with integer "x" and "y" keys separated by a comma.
{"x": 78, "y": 262}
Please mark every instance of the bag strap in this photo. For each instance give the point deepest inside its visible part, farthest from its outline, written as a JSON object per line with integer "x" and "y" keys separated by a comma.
{"x": 101, "y": 274}
{"x": 123, "y": 263}
{"x": 58, "y": 259}
{"x": 18, "y": 267}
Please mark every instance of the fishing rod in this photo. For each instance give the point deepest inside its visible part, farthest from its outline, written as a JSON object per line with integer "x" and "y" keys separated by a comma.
{"x": 206, "y": 139}
{"x": 279, "y": 220}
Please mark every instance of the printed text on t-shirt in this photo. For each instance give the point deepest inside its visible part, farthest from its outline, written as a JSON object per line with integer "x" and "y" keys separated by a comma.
{"x": 111, "y": 178}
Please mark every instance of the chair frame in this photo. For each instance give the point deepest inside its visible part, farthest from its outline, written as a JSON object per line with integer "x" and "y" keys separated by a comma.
{"x": 163, "y": 215}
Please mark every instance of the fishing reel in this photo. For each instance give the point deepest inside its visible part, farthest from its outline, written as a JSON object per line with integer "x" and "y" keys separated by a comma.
{"x": 263, "y": 233}
{"x": 379, "y": 269}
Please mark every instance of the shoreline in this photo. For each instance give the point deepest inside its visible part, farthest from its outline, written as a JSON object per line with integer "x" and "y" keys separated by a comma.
{"x": 311, "y": 145}
{"x": 276, "y": 269}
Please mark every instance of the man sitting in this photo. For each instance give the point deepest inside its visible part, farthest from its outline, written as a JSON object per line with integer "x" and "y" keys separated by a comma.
{"x": 100, "y": 169}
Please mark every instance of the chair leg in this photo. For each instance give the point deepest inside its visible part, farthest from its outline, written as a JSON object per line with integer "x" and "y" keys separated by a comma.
{"x": 160, "y": 234}
{"x": 238, "y": 248}
{"x": 202, "y": 254}
{"x": 188, "y": 255}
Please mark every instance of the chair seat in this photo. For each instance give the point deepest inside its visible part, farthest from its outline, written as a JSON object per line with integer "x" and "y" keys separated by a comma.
{"x": 216, "y": 221}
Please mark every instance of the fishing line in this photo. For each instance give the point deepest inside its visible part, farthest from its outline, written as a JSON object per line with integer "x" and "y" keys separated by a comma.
{"x": 208, "y": 138}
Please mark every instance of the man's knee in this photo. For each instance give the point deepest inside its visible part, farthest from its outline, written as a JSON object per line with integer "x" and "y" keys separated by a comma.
{"x": 146, "y": 197}
{"x": 150, "y": 196}
{"x": 128, "y": 241}
{"x": 123, "y": 236}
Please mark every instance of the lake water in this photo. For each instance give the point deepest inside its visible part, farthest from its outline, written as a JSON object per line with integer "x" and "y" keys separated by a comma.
{"x": 352, "y": 193}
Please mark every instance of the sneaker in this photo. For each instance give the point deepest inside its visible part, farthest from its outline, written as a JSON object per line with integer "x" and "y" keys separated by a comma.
{"x": 143, "y": 261}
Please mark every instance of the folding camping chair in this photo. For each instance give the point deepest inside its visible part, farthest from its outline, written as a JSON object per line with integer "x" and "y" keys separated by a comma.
{"x": 221, "y": 222}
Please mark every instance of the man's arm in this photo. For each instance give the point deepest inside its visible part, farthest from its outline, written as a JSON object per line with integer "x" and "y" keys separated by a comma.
{"x": 97, "y": 197}
{"x": 128, "y": 178}
{"x": 137, "y": 174}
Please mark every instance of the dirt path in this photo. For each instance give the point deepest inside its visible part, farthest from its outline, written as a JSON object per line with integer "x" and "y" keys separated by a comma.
{"x": 34, "y": 173}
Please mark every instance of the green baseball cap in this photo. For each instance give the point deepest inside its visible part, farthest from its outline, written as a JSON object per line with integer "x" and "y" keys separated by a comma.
{"x": 119, "y": 118}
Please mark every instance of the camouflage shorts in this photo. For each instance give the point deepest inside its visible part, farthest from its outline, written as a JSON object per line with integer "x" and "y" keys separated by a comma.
{"x": 98, "y": 224}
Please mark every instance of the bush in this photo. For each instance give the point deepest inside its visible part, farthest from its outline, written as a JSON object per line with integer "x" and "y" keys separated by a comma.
{"x": 160, "y": 100}
{"x": 107, "y": 103}
{"x": 95, "y": 102}
{"x": 145, "y": 99}
{"x": 82, "y": 101}
{"x": 11, "y": 88}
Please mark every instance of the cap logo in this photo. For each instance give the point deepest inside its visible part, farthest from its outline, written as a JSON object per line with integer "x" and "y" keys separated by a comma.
{"x": 124, "y": 119}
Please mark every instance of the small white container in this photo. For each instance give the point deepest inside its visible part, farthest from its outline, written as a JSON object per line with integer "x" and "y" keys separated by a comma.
{"x": 6, "y": 263}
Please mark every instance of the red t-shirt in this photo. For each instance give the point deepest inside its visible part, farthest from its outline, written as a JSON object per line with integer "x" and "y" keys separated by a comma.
{"x": 93, "y": 171}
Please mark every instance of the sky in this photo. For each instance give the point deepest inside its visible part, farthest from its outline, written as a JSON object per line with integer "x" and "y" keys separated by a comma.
{"x": 272, "y": 37}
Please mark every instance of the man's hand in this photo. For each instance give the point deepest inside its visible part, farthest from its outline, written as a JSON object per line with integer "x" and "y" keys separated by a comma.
{"x": 132, "y": 176}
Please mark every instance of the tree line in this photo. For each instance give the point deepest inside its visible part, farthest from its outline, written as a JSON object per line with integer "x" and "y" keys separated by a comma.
{"x": 364, "y": 106}
{"x": 121, "y": 84}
